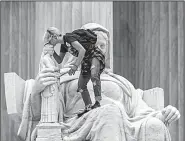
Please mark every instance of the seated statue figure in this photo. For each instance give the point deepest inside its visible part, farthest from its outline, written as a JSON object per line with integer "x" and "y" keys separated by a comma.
{"x": 123, "y": 116}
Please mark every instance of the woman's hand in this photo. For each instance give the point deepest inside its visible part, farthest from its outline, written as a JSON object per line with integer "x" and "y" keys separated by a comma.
{"x": 72, "y": 70}
{"x": 45, "y": 78}
{"x": 170, "y": 114}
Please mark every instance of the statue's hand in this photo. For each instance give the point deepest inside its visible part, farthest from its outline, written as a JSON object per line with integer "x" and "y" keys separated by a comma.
{"x": 170, "y": 114}
{"x": 107, "y": 71}
{"x": 44, "y": 78}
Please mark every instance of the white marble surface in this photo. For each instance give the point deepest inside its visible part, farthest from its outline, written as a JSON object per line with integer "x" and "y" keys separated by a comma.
{"x": 14, "y": 89}
{"x": 49, "y": 132}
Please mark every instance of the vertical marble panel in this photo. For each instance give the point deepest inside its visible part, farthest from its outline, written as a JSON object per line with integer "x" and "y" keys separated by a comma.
{"x": 32, "y": 40}
{"x": 137, "y": 45}
{"x": 123, "y": 40}
{"x": 57, "y": 10}
{"x": 24, "y": 38}
{"x": 173, "y": 62}
{"x": 5, "y": 51}
{"x": 76, "y": 15}
{"x": 14, "y": 39}
{"x": 39, "y": 21}
{"x": 141, "y": 37}
{"x": 87, "y": 12}
{"x": 155, "y": 47}
{"x": 130, "y": 30}
{"x": 109, "y": 26}
{"x": 129, "y": 45}
{"x": 181, "y": 69}
{"x": 148, "y": 36}
{"x": 66, "y": 17}
{"x": 184, "y": 58}
{"x": 5, "y": 43}
{"x": 116, "y": 35}
{"x": 164, "y": 46}
{"x": 95, "y": 12}
{"x": 28, "y": 43}
{"x": 132, "y": 40}
{"x": 103, "y": 10}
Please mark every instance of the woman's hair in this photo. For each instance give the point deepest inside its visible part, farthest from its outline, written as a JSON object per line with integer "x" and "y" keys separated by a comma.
{"x": 50, "y": 33}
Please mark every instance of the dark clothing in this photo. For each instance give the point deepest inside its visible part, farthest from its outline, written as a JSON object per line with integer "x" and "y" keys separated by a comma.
{"x": 87, "y": 39}
{"x": 94, "y": 75}
{"x": 92, "y": 64}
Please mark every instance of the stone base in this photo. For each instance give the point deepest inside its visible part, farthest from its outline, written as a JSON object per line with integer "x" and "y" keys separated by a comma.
{"x": 49, "y": 132}
{"x": 49, "y": 139}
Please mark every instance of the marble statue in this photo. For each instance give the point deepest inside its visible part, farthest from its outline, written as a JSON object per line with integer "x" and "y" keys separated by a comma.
{"x": 50, "y": 95}
{"x": 126, "y": 114}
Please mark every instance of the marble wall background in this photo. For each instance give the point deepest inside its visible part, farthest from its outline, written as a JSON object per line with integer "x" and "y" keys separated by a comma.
{"x": 149, "y": 43}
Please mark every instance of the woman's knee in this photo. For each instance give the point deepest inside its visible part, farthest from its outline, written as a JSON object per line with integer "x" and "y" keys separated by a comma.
{"x": 95, "y": 66}
{"x": 82, "y": 84}
{"x": 95, "y": 78}
{"x": 82, "y": 89}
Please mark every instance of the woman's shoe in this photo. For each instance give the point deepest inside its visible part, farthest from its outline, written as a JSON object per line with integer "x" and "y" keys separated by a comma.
{"x": 87, "y": 109}
{"x": 96, "y": 105}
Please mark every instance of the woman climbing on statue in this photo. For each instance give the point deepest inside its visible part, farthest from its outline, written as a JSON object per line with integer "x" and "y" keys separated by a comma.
{"x": 84, "y": 45}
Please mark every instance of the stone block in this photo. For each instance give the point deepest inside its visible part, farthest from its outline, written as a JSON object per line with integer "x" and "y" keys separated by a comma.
{"x": 49, "y": 132}
{"x": 49, "y": 139}
{"x": 154, "y": 98}
{"x": 14, "y": 90}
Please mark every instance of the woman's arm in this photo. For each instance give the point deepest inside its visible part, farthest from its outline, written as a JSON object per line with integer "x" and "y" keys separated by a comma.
{"x": 59, "y": 58}
{"x": 81, "y": 51}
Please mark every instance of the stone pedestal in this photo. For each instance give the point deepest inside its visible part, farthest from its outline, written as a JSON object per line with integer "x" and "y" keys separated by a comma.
{"x": 49, "y": 132}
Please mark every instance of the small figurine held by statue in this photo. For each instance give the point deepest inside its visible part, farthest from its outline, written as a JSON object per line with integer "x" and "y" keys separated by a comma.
{"x": 50, "y": 95}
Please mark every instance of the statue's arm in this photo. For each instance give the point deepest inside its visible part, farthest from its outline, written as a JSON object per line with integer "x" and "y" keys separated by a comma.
{"x": 44, "y": 78}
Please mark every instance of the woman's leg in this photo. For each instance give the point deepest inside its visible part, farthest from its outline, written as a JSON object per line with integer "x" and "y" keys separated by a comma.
{"x": 95, "y": 78}
{"x": 82, "y": 88}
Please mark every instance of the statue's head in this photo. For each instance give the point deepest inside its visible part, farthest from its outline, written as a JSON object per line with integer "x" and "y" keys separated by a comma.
{"x": 52, "y": 36}
{"x": 102, "y": 41}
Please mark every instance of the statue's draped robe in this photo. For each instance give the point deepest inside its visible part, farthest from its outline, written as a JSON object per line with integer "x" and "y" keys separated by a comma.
{"x": 123, "y": 116}
{"x": 50, "y": 102}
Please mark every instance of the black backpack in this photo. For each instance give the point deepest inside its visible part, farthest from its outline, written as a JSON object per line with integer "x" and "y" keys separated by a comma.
{"x": 86, "y": 35}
